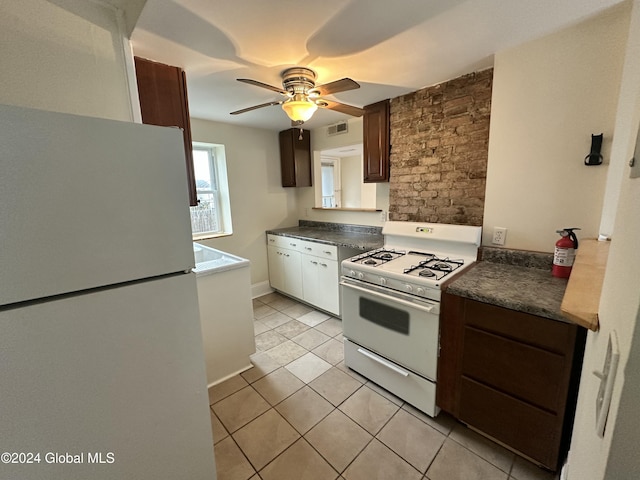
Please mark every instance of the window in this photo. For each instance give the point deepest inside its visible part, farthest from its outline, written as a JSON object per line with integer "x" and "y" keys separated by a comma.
{"x": 212, "y": 216}
{"x": 330, "y": 171}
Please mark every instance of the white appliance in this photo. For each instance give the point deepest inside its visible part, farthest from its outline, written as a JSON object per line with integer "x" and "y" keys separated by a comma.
{"x": 391, "y": 305}
{"x": 101, "y": 364}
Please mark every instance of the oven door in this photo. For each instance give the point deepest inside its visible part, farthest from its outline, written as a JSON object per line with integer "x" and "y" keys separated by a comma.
{"x": 397, "y": 326}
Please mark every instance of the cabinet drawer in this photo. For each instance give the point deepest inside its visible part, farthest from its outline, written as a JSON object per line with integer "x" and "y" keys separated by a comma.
{"x": 405, "y": 384}
{"x": 549, "y": 334}
{"x": 284, "y": 242}
{"x": 276, "y": 240}
{"x": 530, "y": 373}
{"x": 322, "y": 250}
{"x": 530, "y": 430}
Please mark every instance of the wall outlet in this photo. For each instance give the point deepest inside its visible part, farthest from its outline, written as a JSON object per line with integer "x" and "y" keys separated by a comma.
{"x": 383, "y": 216}
{"x": 499, "y": 235}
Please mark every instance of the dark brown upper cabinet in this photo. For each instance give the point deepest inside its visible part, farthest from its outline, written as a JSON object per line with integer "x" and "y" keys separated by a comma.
{"x": 376, "y": 142}
{"x": 162, "y": 90}
{"x": 295, "y": 157}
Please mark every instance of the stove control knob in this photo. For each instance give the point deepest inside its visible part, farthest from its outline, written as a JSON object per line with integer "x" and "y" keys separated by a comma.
{"x": 360, "y": 275}
{"x": 352, "y": 273}
{"x": 408, "y": 288}
{"x": 383, "y": 281}
{"x": 420, "y": 291}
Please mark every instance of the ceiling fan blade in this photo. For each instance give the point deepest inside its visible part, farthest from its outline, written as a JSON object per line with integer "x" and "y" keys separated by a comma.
{"x": 337, "y": 86}
{"x": 341, "y": 107}
{"x": 255, "y": 107}
{"x": 263, "y": 85}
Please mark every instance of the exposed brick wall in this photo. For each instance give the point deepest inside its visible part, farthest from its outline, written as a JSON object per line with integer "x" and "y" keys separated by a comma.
{"x": 439, "y": 145}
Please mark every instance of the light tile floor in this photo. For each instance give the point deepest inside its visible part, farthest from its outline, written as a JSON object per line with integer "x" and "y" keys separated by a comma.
{"x": 300, "y": 414}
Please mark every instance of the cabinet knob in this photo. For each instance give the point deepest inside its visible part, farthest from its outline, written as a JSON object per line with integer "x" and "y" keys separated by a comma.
{"x": 327, "y": 252}
{"x": 323, "y": 264}
{"x": 293, "y": 244}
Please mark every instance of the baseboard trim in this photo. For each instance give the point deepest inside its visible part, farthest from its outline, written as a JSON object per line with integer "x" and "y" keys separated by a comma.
{"x": 260, "y": 289}
{"x": 243, "y": 369}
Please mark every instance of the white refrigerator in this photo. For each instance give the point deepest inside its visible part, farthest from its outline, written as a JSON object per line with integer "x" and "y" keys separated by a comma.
{"x": 102, "y": 371}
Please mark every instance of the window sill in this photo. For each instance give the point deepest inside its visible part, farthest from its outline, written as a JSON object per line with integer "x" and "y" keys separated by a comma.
{"x": 207, "y": 236}
{"x": 347, "y": 209}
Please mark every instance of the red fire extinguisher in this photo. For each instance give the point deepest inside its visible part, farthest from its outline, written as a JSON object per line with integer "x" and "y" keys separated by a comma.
{"x": 564, "y": 253}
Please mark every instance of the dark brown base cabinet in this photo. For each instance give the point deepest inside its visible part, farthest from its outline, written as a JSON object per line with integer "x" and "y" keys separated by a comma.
{"x": 510, "y": 375}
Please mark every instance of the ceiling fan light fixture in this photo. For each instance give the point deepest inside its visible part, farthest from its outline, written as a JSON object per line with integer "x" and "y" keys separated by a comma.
{"x": 299, "y": 109}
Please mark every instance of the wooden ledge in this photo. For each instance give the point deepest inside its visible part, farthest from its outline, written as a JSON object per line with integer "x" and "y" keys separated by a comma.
{"x": 347, "y": 209}
{"x": 581, "y": 299}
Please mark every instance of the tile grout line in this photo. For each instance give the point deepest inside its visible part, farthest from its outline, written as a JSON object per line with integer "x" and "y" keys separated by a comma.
{"x": 336, "y": 407}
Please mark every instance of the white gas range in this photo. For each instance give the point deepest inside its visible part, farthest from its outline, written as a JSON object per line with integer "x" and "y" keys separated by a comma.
{"x": 391, "y": 305}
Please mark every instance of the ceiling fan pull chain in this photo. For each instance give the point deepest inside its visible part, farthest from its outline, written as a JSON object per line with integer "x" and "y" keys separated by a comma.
{"x": 300, "y": 137}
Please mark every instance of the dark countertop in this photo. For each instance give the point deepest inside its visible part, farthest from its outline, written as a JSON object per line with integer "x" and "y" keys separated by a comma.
{"x": 360, "y": 237}
{"x": 514, "y": 286}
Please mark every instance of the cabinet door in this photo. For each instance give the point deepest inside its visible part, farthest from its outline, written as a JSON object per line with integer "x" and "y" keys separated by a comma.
{"x": 376, "y": 142}
{"x": 320, "y": 283}
{"x": 292, "y": 272}
{"x": 276, "y": 269}
{"x": 329, "y": 290}
{"x": 310, "y": 280}
{"x": 295, "y": 157}
{"x": 162, "y": 90}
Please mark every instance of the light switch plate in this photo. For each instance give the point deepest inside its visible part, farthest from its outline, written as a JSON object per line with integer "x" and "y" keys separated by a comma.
{"x": 607, "y": 376}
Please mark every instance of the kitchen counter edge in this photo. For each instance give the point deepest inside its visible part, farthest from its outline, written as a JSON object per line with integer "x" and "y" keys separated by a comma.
{"x": 348, "y": 239}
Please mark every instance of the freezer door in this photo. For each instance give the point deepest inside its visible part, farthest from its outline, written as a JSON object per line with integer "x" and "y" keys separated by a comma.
{"x": 87, "y": 202}
{"x": 117, "y": 374}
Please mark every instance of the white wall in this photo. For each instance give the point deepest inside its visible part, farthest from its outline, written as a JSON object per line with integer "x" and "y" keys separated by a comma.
{"x": 549, "y": 96}
{"x": 351, "y": 169}
{"x": 258, "y": 200}
{"x": 616, "y": 455}
{"x": 306, "y": 196}
{"x": 66, "y": 56}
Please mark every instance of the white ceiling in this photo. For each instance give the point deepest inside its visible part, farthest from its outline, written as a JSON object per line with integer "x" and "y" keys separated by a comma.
{"x": 390, "y": 47}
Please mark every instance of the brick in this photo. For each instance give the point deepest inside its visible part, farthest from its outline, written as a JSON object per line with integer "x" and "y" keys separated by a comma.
{"x": 439, "y": 156}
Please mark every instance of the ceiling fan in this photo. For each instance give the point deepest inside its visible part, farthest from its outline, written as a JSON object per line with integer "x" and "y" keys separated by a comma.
{"x": 303, "y": 95}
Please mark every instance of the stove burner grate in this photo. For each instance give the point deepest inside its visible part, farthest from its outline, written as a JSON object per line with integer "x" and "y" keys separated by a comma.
{"x": 377, "y": 257}
{"x": 425, "y": 272}
{"x": 434, "y": 267}
{"x": 442, "y": 267}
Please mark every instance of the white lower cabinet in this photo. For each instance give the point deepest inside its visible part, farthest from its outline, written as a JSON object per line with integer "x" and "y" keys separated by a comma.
{"x": 308, "y": 271}
{"x": 285, "y": 273}
{"x": 320, "y": 284}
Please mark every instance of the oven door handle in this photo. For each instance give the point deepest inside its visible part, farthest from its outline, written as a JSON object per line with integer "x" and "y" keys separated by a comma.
{"x": 383, "y": 362}
{"x": 428, "y": 308}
